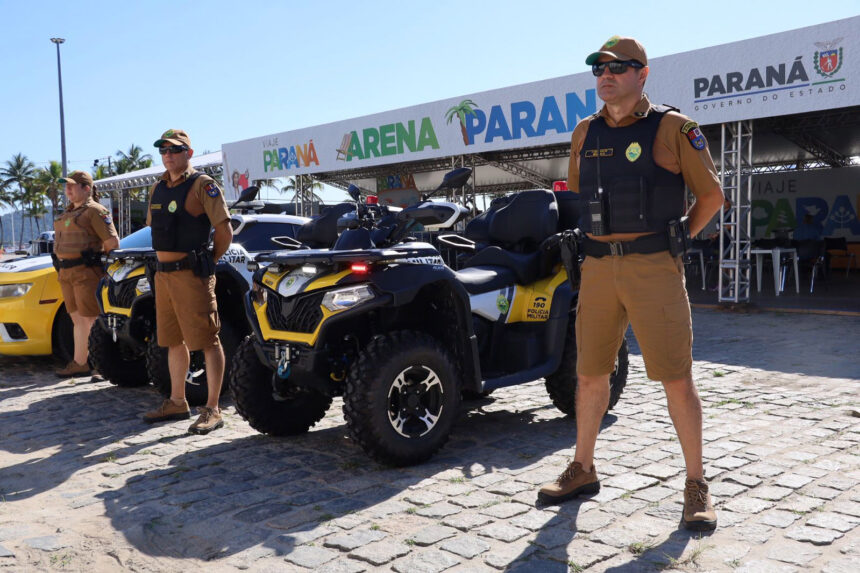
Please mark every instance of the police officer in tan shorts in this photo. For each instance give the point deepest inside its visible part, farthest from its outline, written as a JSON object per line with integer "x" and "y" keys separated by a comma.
{"x": 184, "y": 206}
{"x": 630, "y": 163}
{"x": 81, "y": 234}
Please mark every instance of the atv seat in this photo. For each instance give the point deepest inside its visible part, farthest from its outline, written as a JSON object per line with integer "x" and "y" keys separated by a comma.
{"x": 321, "y": 233}
{"x": 525, "y": 267}
{"x": 485, "y": 278}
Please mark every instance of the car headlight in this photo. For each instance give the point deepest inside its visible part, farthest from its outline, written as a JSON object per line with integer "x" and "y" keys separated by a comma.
{"x": 142, "y": 285}
{"x": 345, "y": 298}
{"x": 14, "y": 291}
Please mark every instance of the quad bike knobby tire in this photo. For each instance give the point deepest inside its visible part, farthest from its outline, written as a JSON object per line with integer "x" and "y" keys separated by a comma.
{"x": 561, "y": 384}
{"x": 108, "y": 359}
{"x": 196, "y": 388}
{"x": 402, "y": 397}
{"x": 265, "y": 410}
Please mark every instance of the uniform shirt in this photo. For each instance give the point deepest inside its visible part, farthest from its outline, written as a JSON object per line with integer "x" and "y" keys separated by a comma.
{"x": 200, "y": 198}
{"x": 81, "y": 228}
{"x": 672, "y": 149}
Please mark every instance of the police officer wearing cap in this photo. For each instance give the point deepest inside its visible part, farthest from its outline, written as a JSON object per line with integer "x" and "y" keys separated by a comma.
{"x": 184, "y": 206}
{"x": 81, "y": 234}
{"x": 630, "y": 163}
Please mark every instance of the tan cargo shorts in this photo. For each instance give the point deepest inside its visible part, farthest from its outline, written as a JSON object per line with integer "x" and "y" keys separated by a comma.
{"x": 79, "y": 285}
{"x": 647, "y": 291}
{"x": 185, "y": 310}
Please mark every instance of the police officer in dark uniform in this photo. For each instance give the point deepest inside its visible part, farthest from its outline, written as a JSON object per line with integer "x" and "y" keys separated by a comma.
{"x": 81, "y": 234}
{"x": 630, "y": 163}
{"x": 184, "y": 206}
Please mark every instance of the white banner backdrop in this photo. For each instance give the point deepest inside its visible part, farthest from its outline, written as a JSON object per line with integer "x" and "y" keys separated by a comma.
{"x": 802, "y": 70}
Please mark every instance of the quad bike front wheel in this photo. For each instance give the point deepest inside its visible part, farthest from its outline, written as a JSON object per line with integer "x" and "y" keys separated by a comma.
{"x": 118, "y": 365}
{"x": 279, "y": 413}
{"x": 402, "y": 398}
{"x": 561, "y": 384}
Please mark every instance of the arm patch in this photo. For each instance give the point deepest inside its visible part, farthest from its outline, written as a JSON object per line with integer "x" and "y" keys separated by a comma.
{"x": 694, "y": 135}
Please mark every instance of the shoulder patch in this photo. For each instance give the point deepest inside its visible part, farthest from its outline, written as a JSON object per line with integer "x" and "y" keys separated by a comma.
{"x": 212, "y": 190}
{"x": 694, "y": 135}
{"x": 107, "y": 219}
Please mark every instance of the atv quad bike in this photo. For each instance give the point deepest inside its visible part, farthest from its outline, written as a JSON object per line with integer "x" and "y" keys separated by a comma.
{"x": 380, "y": 320}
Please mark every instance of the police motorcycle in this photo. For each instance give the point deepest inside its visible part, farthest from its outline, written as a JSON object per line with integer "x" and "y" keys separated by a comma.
{"x": 123, "y": 346}
{"x": 380, "y": 320}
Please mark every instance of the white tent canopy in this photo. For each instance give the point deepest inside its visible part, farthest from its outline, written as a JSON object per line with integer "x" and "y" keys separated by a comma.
{"x": 207, "y": 163}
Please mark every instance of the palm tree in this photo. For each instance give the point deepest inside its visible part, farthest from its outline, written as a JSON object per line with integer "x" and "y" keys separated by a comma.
{"x": 5, "y": 200}
{"x": 48, "y": 179}
{"x": 20, "y": 171}
{"x": 466, "y": 107}
{"x": 133, "y": 160}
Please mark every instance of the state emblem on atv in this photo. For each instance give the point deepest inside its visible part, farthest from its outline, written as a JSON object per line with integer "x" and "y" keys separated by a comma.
{"x": 380, "y": 320}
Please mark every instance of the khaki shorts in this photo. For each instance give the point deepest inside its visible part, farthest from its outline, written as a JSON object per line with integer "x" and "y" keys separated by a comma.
{"x": 647, "y": 291}
{"x": 185, "y": 310}
{"x": 79, "y": 285}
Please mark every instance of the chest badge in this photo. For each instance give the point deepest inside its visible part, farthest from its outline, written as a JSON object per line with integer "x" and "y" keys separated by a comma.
{"x": 633, "y": 151}
{"x": 502, "y": 303}
{"x": 172, "y": 207}
{"x": 68, "y": 222}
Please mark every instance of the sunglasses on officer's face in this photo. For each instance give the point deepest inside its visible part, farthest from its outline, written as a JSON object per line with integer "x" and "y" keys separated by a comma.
{"x": 172, "y": 149}
{"x": 616, "y": 67}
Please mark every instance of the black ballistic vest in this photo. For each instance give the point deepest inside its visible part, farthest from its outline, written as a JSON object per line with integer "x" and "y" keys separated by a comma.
{"x": 179, "y": 230}
{"x": 639, "y": 196}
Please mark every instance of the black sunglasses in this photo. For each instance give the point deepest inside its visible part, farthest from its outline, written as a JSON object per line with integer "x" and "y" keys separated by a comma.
{"x": 616, "y": 67}
{"x": 172, "y": 149}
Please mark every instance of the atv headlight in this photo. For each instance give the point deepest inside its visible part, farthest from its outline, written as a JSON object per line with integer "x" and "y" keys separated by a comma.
{"x": 142, "y": 285}
{"x": 345, "y": 298}
{"x": 119, "y": 274}
{"x": 14, "y": 291}
{"x": 258, "y": 294}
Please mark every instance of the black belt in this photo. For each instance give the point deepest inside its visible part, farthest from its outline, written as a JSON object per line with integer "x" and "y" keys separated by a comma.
{"x": 643, "y": 246}
{"x": 69, "y": 263}
{"x": 180, "y": 265}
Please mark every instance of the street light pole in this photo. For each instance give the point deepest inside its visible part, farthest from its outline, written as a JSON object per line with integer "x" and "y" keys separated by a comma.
{"x": 59, "y": 41}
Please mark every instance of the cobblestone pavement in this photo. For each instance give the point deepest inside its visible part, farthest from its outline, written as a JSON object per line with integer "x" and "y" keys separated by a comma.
{"x": 86, "y": 486}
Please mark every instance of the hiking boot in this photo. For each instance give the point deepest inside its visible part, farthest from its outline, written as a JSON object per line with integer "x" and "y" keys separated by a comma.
{"x": 209, "y": 419}
{"x": 73, "y": 369}
{"x": 699, "y": 514}
{"x": 168, "y": 411}
{"x": 572, "y": 482}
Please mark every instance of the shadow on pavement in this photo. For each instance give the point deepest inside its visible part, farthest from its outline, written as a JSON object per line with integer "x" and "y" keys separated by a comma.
{"x": 277, "y": 493}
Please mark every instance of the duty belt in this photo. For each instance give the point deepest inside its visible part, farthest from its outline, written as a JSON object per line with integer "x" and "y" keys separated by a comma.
{"x": 69, "y": 263}
{"x": 643, "y": 246}
{"x": 180, "y": 265}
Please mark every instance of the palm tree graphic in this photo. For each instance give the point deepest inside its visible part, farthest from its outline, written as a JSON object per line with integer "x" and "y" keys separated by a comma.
{"x": 466, "y": 107}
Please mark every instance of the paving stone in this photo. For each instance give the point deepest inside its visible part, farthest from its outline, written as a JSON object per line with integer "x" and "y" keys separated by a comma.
{"x": 341, "y": 566}
{"x": 606, "y": 494}
{"x": 381, "y": 552}
{"x": 5, "y": 552}
{"x": 779, "y": 518}
{"x": 772, "y": 493}
{"x": 851, "y": 508}
{"x": 659, "y": 471}
{"x": 763, "y": 566}
{"x": 438, "y": 510}
{"x": 310, "y": 556}
{"x": 653, "y": 493}
{"x": 590, "y": 521}
{"x": 794, "y": 481}
{"x": 795, "y": 553}
{"x": 432, "y": 534}
{"x": 466, "y": 521}
{"x": 730, "y": 462}
{"x": 476, "y": 499}
{"x": 830, "y": 520}
{"x": 505, "y": 510}
{"x": 355, "y": 539}
{"x": 504, "y": 556}
{"x": 467, "y": 546}
{"x": 618, "y": 537}
{"x": 814, "y": 535}
{"x": 261, "y": 512}
{"x": 586, "y": 553}
{"x": 725, "y": 489}
{"x": 801, "y": 504}
{"x": 423, "y": 497}
{"x": 46, "y": 543}
{"x": 822, "y": 492}
{"x": 502, "y": 531}
{"x": 510, "y": 487}
{"x": 753, "y": 533}
{"x": 630, "y": 482}
{"x": 748, "y": 505}
{"x": 842, "y": 565}
{"x": 764, "y": 470}
{"x": 841, "y": 483}
{"x": 534, "y": 519}
{"x": 428, "y": 561}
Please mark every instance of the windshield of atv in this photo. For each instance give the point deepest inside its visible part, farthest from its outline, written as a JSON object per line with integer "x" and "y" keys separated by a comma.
{"x": 139, "y": 239}
{"x": 256, "y": 235}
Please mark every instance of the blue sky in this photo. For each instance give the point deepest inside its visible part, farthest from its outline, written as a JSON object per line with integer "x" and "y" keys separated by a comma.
{"x": 227, "y": 70}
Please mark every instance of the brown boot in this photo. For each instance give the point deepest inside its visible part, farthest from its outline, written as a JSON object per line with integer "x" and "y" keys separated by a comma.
{"x": 209, "y": 419}
{"x": 572, "y": 482}
{"x": 699, "y": 514}
{"x": 73, "y": 369}
{"x": 168, "y": 411}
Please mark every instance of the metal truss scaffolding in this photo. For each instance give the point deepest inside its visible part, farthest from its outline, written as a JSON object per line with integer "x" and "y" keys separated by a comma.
{"x": 735, "y": 221}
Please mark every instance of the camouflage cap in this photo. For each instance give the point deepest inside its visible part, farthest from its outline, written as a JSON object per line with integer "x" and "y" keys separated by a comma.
{"x": 79, "y": 177}
{"x": 174, "y": 137}
{"x": 620, "y": 48}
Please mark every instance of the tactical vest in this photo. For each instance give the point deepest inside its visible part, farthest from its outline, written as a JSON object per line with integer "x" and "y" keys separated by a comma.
{"x": 73, "y": 235}
{"x": 174, "y": 228}
{"x": 639, "y": 196}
